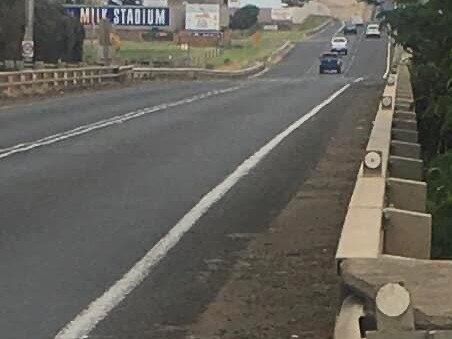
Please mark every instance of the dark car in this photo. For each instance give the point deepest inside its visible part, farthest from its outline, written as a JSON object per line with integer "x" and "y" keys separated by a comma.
{"x": 330, "y": 61}
{"x": 350, "y": 28}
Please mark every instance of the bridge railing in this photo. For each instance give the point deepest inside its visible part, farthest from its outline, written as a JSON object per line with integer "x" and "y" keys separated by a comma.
{"x": 36, "y": 81}
{"x": 386, "y": 236}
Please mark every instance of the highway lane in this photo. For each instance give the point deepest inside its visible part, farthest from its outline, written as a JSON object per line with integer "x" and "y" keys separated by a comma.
{"x": 79, "y": 213}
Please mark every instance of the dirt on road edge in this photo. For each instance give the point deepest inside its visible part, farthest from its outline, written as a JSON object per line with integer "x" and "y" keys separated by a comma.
{"x": 285, "y": 283}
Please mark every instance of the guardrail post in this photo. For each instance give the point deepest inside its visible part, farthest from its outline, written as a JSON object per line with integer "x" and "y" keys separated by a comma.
{"x": 395, "y": 316}
{"x": 55, "y": 79}
{"x": 65, "y": 76}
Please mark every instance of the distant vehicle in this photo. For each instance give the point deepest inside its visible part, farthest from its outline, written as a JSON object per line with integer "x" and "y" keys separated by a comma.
{"x": 350, "y": 28}
{"x": 373, "y": 31}
{"x": 330, "y": 61}
{"x": 339, "y": 45}
{"x": 357, "y": 20}
{"x": 125, "y": 2}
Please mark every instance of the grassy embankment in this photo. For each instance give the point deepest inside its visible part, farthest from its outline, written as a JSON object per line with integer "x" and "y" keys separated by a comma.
{"x": 242, "y": 52}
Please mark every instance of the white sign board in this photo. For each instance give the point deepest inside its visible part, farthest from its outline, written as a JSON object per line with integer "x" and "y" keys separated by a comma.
{"x": 28, "y": 49}
{"x": 202, "y": 17}
{"x": 234, "y": 3}
{"x": 270, "y": 27}
{"x": 155, "y": 3}
{"x": 282, "y": 14}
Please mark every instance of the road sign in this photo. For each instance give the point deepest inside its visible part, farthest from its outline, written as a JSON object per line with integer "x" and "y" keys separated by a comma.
{"x": 28, "y": 49}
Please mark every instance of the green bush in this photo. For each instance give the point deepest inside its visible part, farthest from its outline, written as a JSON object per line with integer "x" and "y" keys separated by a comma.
{"x": 245, "y": 17}
{"x": 439, "y": 179}
{"x": 57, "y": 35}
{"x": 423, "y": 28}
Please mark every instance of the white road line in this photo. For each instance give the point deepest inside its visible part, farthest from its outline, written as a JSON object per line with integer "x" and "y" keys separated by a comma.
{"x": 340, "y": 28}
{"x": 99, "y": 309}
{"x": 24, "y": 147}
{"x": 265, "y": 70}
{"x": 388, "y": 60}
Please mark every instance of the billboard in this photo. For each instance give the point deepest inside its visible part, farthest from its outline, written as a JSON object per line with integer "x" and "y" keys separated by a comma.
{"x": 234, "y": 3}
{"x": 145, "y": 3}
{"x": 120, "y": 15}
{"x": 202, "y": 17}
{"x": 281, "y": 14}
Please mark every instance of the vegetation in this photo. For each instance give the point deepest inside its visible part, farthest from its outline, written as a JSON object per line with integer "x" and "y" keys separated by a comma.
{"x": 245, "y": 17}
{"x": 424, "y": 29}
{"x": 243, "y": 51}
{"x": 57, "y": 36}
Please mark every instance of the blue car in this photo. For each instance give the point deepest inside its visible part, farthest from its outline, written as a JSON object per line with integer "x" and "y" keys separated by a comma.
{"x": 330, "y": 61}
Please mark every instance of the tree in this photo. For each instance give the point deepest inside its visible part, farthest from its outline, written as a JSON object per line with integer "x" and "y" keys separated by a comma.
{"x": 57, "y": 35}
{"x": 245, "y": 17}
{"x": 424, "y": 29}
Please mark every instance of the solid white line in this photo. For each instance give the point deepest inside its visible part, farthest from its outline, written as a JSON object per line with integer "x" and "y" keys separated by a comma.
{"x": 87, "y": 320}
{"x": 388, "y": 60}
{"x": 265, "y": 70}
{"x": 340, "y": 28}
{"x": 24, "y": 147}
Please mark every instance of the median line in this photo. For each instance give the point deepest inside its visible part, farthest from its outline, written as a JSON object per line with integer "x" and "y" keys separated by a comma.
{"x": 84, "y": 129}
{"x": 100, "y": 308}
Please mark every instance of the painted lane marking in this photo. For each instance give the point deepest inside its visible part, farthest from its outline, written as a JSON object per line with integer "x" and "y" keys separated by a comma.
{"x": 265, "y": 70}
{"x": 388, "y": 60}
{"x": 24, "y": 147}
{"x": 99, "y": 309}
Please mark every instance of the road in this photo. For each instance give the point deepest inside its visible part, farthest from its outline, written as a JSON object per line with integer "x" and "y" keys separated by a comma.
{"x": 91, "y": 182}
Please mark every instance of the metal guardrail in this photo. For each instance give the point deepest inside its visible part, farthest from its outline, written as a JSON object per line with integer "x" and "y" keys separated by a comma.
{"x": 194, "y": 73}
{"x": 19, "y": 83}
{"x": 36, "y": 81}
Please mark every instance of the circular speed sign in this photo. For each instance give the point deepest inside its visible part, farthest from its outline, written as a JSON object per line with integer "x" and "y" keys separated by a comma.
{"x": 28, "y": 49}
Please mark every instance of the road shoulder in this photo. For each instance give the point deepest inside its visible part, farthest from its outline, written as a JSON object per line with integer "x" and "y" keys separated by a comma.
{"x": 284, "y": 285}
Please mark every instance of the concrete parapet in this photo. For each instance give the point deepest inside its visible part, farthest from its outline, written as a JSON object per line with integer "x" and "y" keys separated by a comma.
{"x": 410, "y": 125}
{"x": 404, "y": 135}
{"x": 407, "y": 233}
{"x": 406, "y": 168}
{"x": 406, "y": 149}
{"x": 361, "y": 234}
{"x": 428, "y": 282}
{"x": 407, "y": 195}
{"x": 405, "y": 115}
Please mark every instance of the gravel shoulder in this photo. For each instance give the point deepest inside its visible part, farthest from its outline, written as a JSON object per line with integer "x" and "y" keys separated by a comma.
{"x": 285, "y": 285}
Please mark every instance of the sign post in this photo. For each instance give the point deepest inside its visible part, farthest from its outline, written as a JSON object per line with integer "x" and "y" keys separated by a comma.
{"x": 28, "y": 41}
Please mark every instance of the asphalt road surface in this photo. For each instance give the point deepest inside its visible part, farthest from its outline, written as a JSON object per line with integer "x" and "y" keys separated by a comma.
{"x": 91, "y": 182}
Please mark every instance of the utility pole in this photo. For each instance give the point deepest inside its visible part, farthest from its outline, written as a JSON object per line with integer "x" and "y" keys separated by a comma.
{"x": 28, "y": 42}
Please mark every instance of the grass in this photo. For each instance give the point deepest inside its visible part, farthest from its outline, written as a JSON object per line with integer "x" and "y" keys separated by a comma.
{"x": 242, "y": 52}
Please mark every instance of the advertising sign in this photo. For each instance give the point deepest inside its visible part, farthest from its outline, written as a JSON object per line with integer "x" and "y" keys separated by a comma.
{"x": 120, "y": 15}
{"x": 281, "y": 14}
{"x": 234, "y": 3}
{"x": 202, "y": 17}
{"x": 145, "y": 3}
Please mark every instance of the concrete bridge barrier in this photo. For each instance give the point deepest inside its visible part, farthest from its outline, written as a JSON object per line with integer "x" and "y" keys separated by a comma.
{"x": 392, "y": 288}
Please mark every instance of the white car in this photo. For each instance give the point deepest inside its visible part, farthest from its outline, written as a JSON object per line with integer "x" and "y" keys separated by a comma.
{"x": 357, "y": 20}
{"x": 339, "y": 45}
{"x": 373, "y": 31}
